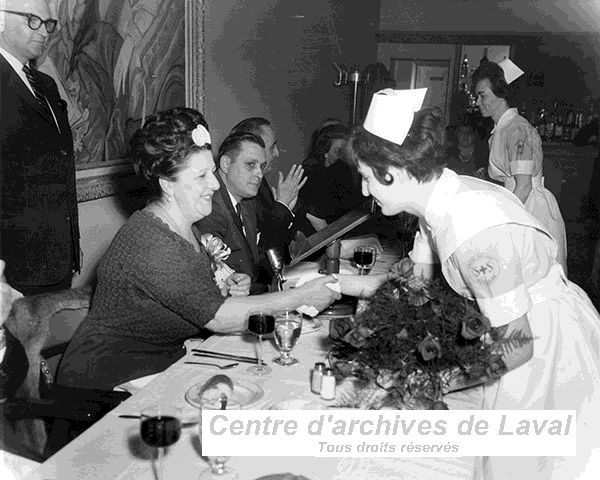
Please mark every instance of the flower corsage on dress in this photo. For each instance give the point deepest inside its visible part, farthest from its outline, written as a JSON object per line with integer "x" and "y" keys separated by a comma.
{"x": 218, "y": 252}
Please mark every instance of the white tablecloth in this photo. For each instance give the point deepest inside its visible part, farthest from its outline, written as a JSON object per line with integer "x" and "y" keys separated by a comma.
{"x": 112, "y": 449}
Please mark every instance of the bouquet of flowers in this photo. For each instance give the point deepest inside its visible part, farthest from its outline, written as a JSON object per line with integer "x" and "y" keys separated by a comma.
{"x": 409, "y": 342}
{"x": 218, "y": 252}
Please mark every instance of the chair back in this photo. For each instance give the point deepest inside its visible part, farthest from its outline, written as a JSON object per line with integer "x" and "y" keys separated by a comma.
{"x": 42, "y": 322}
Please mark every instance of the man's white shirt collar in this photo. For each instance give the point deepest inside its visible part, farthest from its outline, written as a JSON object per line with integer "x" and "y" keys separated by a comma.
{"x": 234, "y": 202}
{"x": 17, "y": 67}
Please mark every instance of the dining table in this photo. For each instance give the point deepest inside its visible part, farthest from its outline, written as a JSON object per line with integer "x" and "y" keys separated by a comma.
{"x": 112, "y": 447}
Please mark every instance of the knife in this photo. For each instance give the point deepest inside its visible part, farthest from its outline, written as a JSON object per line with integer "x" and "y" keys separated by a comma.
{"x": 233, "y": 358}
{"x": 221, "y": 354}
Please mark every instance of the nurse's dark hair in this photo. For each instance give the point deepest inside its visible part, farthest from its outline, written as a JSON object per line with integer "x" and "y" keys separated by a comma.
{"x": 495, "y": 75}
{"x": 232, "y": 144}
{"x": 422, "y": 154}
{"x": 160, "y": 148}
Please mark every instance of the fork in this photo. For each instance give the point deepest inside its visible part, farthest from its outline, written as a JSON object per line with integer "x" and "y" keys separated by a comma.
{"x": 221, "y": 367}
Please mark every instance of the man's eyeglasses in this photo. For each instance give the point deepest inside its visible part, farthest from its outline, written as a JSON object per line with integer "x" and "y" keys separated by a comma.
{"x": 36, "y": 22}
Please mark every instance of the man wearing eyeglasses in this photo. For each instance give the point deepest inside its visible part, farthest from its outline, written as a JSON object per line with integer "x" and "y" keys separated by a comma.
{"x": 39, "y": 232}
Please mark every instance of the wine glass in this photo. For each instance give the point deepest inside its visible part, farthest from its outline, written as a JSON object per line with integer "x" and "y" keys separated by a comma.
{"x": 160, "y": 427}
{"x": 288, "y": 326}
{"x": 218, "y": 468}
{"x": 364, "y": 257}
{"x": 260, "y": 325}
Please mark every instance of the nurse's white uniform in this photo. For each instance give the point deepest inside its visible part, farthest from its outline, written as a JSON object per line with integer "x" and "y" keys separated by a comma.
{"x": 491, "y": 250}
{"x": 516, "y": 148}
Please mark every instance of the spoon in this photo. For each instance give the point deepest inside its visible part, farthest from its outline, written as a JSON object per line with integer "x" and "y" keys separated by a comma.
{"x": 222, "y": 367}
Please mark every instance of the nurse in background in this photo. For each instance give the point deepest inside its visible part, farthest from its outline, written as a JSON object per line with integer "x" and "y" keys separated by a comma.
{"x": 516, "y": 157}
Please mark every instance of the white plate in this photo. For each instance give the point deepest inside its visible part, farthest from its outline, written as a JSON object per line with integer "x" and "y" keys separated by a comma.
{"x": 310, "y": 325}
{"x": 245, "y": 394}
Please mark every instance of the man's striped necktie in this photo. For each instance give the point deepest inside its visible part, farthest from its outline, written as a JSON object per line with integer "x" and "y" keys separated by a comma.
{"x": 31, "y": 75}
{"x": 238, "y": 209}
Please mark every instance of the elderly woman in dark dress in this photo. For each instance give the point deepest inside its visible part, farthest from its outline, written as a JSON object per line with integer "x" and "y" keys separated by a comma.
{"x": 155, "y": 282}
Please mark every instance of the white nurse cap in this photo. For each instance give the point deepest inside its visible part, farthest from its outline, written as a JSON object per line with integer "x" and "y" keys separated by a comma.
{"x": 511, "y": 71}
{"x": 392, "y": 112}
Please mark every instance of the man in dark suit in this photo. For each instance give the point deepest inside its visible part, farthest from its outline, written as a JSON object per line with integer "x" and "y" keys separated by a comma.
{"x": 39, "y": 236}
{"x": 274, "y": 205}
{"x": 241, "y": 160}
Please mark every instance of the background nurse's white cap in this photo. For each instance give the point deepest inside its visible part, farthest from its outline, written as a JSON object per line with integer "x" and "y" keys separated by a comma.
{"x": 392, "y": 112}
{"x": 511, "y": 71}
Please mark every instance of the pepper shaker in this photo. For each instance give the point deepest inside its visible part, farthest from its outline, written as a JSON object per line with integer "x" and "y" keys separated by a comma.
{"x": 328, "y": 385}
{"x": 316, "y": 379}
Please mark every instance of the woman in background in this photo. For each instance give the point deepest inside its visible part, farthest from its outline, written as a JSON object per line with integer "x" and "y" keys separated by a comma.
{"x": 331, "y": 189}
{"x": 516, "y": 157}
{"x": 467, "y": 156}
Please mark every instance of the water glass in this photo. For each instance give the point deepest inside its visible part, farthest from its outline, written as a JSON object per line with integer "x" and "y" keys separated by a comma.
{"x": 288, "y": 326}
{"x": 218, "y": 464}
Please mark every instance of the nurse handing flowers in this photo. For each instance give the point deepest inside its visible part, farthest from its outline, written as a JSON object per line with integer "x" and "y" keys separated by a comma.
{"x": 492, "y": 250}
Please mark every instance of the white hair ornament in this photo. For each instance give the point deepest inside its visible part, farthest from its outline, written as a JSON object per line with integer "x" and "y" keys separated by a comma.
{"x": 200, "y": 136}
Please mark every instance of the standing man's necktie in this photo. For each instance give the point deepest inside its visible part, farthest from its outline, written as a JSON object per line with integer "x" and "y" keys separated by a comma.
{"x": 31, "y": 75}
{"x": 238, "y": 209}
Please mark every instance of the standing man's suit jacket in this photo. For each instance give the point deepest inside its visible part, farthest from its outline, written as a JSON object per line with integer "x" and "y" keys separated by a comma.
{"x": 224, "y": 223}
{"x": 39, "y": 230}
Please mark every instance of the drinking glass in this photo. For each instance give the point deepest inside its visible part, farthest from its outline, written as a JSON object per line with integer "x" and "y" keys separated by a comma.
{"x": 160, "y": 427}
{"x": 288, "y": 326}
{"x": 218, "y": 465}
{"x": 260, "y": 325}
{"x": 365, "y": 257}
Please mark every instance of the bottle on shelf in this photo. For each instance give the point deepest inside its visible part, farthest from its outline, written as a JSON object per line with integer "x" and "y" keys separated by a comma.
{"x": 550, "y": 123}
{"x": 484, "y": 59}
{"x": 464, "y": 67}
{"x": 579, "y": 119}
{"x": 569, "y": 124}
{"x": 540, "y": 124}
{"x": 559, "y": 123}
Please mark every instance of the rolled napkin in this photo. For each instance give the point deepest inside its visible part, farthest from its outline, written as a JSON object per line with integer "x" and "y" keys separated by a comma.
{"x": 215, "y": 387}
{"x": 309, "y": 309}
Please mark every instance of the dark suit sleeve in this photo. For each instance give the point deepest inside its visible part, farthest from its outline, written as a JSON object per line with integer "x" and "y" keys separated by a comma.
{"x": 214, "y": 224}
{"x": 274, "y": 227}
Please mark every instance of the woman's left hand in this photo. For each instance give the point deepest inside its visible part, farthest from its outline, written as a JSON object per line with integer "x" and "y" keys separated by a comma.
{"x": 238, "y": 285}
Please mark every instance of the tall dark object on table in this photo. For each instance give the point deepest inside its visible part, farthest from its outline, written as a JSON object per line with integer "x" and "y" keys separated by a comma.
{"x": 328, "y": 237}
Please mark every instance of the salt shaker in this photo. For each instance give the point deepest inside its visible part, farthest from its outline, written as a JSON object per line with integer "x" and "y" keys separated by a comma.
{"x": 328, "y": 385}
{"x": 317, "y": 377}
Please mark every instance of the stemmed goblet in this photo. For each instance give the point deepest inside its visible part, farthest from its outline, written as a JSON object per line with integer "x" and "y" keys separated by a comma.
{"x": 218, "y": 464}
{"x": 364, "y": 257}
{"x": 288, "y": 326}
{"x": 160, "y": 427}
{"x": 260, "y": 325}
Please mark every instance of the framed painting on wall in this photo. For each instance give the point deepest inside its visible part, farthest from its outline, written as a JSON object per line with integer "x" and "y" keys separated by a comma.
{"x": 115, "y": 63}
